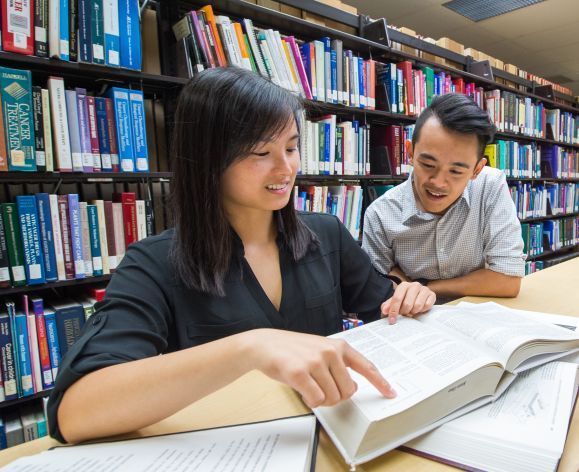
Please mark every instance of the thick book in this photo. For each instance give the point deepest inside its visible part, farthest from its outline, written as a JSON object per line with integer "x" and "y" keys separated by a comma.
{"x": 18, "y": 26}
{"x": 139, "y": 131}
{"x": 60, "y": 124}
{"x": 76, "y": 236}
{"x": 124, "y": 128}
{"x": 69, "y": 316}
{"x": 74, "y": 131}
{"x": 94, "y": 239}
{"x": 84, "y": 131}
{"x": 130, "y": 34}
{"x": 13, "y": 244}
{"x": 4, "y": 261}
{"x": 281, "y": 445}
{"x": 443, "y": 364}
{"x": 43, "y": 350}
{"x": 52, "y": 339}
{"x": 97, "y": 31}
{"x": 7, "y": 358}
{"x": 524, "y": 430}
{"x": 111, "y": 32}
{"x": 38, "y": 121}
{"x": 47, "y": 130}
{"x": 46, "y": 236}
{"x": 31, "y": 240}
{"x": 103, "y": 134}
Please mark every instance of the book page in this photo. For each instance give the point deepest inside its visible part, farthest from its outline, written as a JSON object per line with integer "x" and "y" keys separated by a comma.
{"x": 494, "y": 328}
{"x": 284, "y": 445}
{"x": 417, "y": 359}
{"x": 531, "y": 417}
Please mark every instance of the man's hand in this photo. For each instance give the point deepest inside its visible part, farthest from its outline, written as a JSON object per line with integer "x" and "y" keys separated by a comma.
{"x": 409, "y": 299}
{"x": 397, "y": 272}
{"x": 314, "y": 366}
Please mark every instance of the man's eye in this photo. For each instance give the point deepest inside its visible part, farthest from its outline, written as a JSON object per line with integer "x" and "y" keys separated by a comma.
{"x": 427, "y": 166}
{"x": 455, "y": 172}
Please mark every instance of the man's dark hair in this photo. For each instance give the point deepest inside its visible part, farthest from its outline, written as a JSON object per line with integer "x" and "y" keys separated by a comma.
{"x": 221, "y": 116}
{"x": 459, "y": 113}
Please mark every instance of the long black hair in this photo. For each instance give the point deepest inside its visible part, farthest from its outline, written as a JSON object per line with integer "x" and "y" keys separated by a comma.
{"x": 222, "y": 114}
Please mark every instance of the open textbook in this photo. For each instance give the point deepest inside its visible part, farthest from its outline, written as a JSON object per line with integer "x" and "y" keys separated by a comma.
{"x": 522, "y": 431}
{"x": 285, "y": 445}
{"x": 442, "y": 364}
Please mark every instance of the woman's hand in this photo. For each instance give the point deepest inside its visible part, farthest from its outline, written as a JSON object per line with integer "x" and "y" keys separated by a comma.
{"x": 409, "y": 299}
{"x": 313, "y": 365}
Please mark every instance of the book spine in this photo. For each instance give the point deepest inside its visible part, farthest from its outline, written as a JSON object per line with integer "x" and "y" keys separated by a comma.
{"x": 119, "y": 229}
{"x": 76, "y": 235}
{"x": 30, "y": 233}
{"x": 73, "y": 130}
{"x": 40, "y": 28}
{"x": 93, "y": 132}
{"x": 46, "y": 236}
{"x": 73, "y": 30}
{"x": 95, "y": 246}
{"x": 130, "y": 34}
{"x": 141, "y": 219}
{"x": 4, "y": 153}
{"x": 21, "y": 343}
{"x": 102, "y": 230}
{"x": 84, "y": 31}
{"x": 111, "y": 236}
{"x": 47, "y": 129}
{"x": 150, "y": 217}
{"x": 84, "y": 131}
{"x": 124, "y": 129}
{"x": 85, "y": 239}
{"x": 33, "y": 346}
{"x": 111, "y": 32}
{"x": 14, "y": 244}
{"x": 17, "y": 26}
{"x": 64, "y": 36}
{"x": 18, "y": 118}
{"x": 60, "y": 124}
{"x": 52, "y": 338}
{"x": 66, "y": 236}
{"x": 4, "y": 259}
{"x": 137, "y": 106}
{"x": 103, "y": 134}
{"x": 7, "y": 359}
{"x": 97, "y": 33}
{"x": 38, "y": 129}
{"x": 57, "y": 237}
{"x": 69, "y": 322}
{"x": 43, "y": 351}
{"x": 113, "y": 139}
{"x": 128, "y": 200}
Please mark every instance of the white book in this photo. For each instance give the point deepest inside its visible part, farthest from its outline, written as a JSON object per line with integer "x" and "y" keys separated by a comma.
{"x": 74, "y": 130}
{"x": 103, "y": 235}
{"x": 275, "y": 77}
{"x": 293, "y": 85}
{"x": 54, "y": 28}
{"x": 56, "y": 230}
{"x": 320, "y": 70}
{"x": 119, "y": 228}
{"x": 253, "y": 43}
{"x": 85, "y": 238}
{"x": 141, "y": 219}
{"x": 34, "y": 354}
{"x": 47, "y": 125}
{"x": 60, "y": 124}
{"x": 277, "y": 59}
{"x": 442, "y": 365}
{"x": 229, "y": 40}
{"x": 284, "y": 445}
{"x": 523, "y": 431}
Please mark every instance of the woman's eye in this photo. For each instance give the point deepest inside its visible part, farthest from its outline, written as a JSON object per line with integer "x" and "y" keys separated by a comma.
{"x": 292, "y": 149}
{"x": 261, "y": 154}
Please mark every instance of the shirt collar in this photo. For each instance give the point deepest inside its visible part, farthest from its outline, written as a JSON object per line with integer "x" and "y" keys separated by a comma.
{"x": 410, "y": 208}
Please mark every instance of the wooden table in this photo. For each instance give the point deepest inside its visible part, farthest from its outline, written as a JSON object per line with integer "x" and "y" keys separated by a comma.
{"x": 255, "y": 397}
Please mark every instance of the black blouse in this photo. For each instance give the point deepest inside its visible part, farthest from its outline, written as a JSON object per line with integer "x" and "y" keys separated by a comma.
{"x": 147, "y": 311}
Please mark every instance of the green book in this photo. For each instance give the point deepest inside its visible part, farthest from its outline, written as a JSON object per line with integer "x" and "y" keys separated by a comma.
{"x": 429, "y": 80}
{"x": 97, "y": 31}
{"x": 14, "y": 244}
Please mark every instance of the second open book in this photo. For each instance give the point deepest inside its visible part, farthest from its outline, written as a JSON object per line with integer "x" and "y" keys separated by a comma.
{"x": 442, "y": 365}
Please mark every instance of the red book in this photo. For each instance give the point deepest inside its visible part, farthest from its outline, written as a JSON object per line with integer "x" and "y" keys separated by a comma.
{"x": 98, "y": 293}
{"x": 128, "y": 199}
{"x": 94, "y": 134}
{"x": 111, "y": 235}
{"x": 43, "y": 352}
{"x": 406, "y": 67}
{"x": 459, "y": 85}
{"x": 390, "y": 138}
{"x": 66, "y": 236}
{"x": 112, "y": 134}
{"x": 18, "y": 26}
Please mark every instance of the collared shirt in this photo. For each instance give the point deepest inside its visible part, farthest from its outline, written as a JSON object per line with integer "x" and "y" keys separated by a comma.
{"x": 148, "y": 311}
{"x": 480, "y": 230}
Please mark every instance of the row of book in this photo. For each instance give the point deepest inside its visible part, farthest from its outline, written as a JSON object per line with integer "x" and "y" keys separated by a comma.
{"x": 94, "y": 31}
{"x": 403, "y": 89}
{"x": 533, "y": 266}
{"x": 343, "y": 201}
{"x": 533, "y": 160}
{"x": 21, "y": 425}
{"x": 544, "y": 199}
{"x": 47, "y": 237}
{"x": 331, "y": 148}
{"x": 54, "y": 129}
{"x": 318, "y": 70}
{"x": 34, "y": 336}
{"x": 550, "y": 235}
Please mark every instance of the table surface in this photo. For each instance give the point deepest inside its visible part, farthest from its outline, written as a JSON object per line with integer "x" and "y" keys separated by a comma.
{"x": 255, "y": 397}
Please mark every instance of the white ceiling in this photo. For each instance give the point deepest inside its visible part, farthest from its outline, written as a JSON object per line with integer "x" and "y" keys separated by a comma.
{"x": 542, "y": 39}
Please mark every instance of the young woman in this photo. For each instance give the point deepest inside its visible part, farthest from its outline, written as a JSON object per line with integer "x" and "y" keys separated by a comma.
{"x": 243, "y": 282}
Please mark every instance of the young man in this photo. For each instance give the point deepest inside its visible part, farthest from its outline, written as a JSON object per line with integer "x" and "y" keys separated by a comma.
{"x": 452, "y": 225}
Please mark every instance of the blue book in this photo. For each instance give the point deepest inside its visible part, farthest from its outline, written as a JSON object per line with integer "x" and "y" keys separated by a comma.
{"x": 327, "y": 131}
{"x": 327, "y": 68}
{"x": 95, "y": 243}
{"x": 52, "y": 338}
{"x": 306, "y": 51}
{"x": 130, "y": 34}
{"x": 47, "y": 236}
{"x": 120, "y": 98}
{"x": 16, "y": 90}
{"x": 24, "y": 361}
{"x": 362, "y": 82}
{"x": 334, "y": 74}
{"x": 3, "y": 444}
{"x": 103, "y": 132}
{"x": 137, "y": 106}
{"x": 31, "y": 241}
{"x": 70, "y": 319}
{"x": 76, "y": 236}
{"x": 7, "y": 358}
{"x": 64, "y": 30}
{"x": 111, "y": 31}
